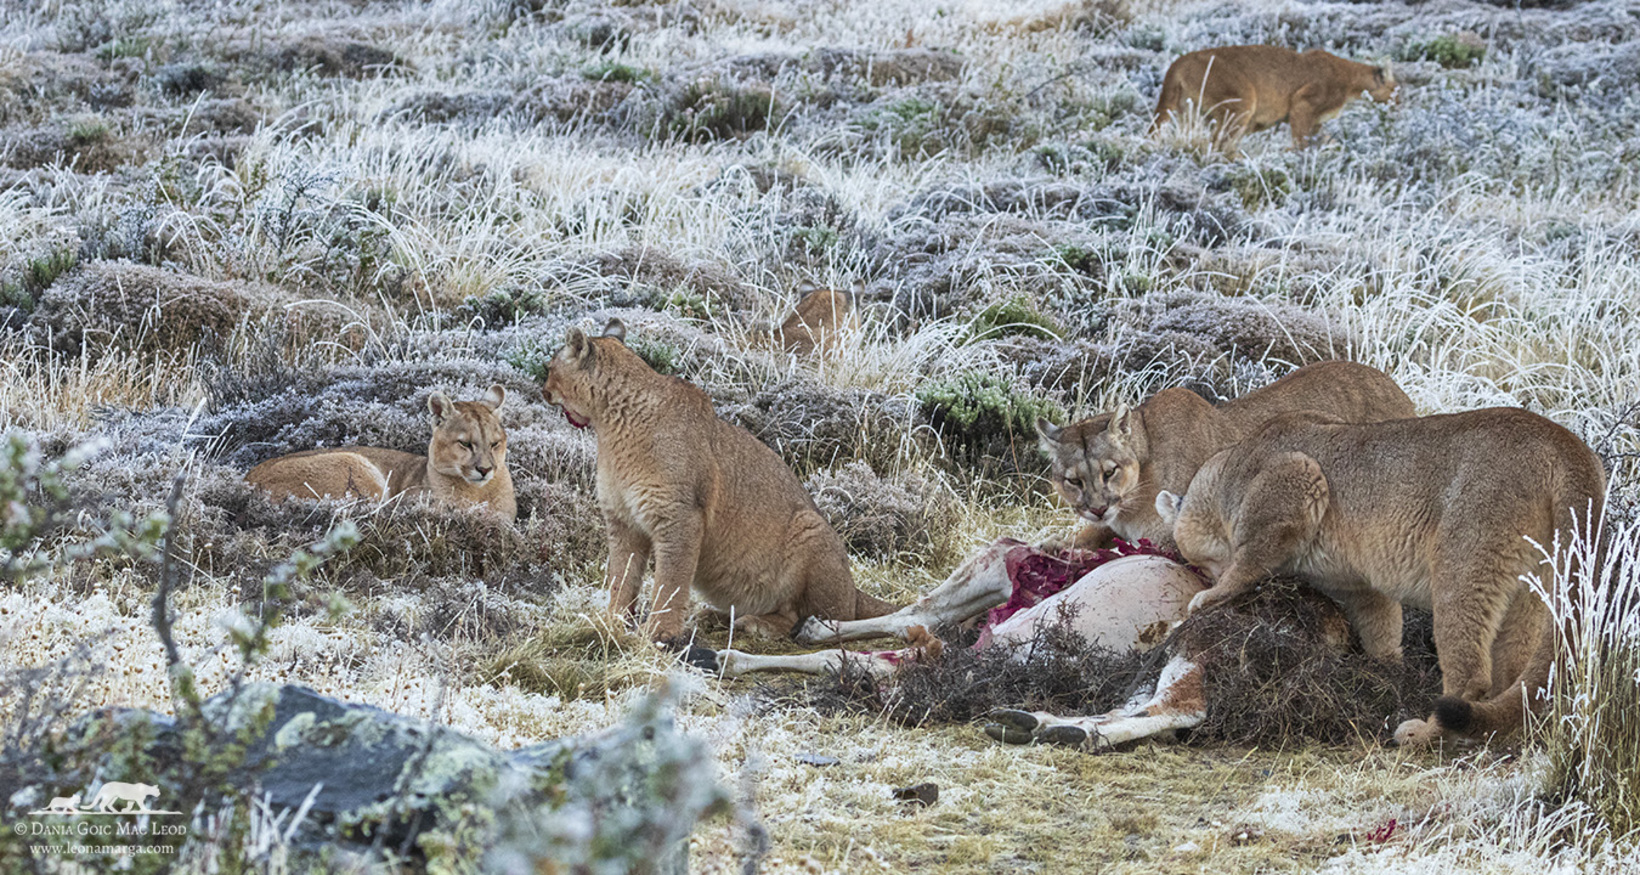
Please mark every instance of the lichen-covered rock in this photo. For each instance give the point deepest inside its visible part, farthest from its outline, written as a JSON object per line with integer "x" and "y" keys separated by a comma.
{"x": 624, "y": 800}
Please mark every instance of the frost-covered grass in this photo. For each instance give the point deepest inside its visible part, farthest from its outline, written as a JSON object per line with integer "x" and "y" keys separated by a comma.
{"x": 439, "y": 202}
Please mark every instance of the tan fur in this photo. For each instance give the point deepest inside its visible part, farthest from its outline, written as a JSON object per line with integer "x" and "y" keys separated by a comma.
{"x": 466, "y": 463}
{"x": 823, "y": 321}
{"x": 1110, "y": 467}
{"x": 716, "y": 508}
{"x": 1243, "y": 89}
{"x": 1433, "y": 512}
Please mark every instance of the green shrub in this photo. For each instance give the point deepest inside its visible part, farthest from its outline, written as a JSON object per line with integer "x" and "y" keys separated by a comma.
{"x": 981, "y": 415}
{"x": 689, "y": 305}
{"x": 912, "y": 123}
{"x": 1078, "y": 258}
{"x": 89, "y": 131}
{"x": 1452, "y": 51}
{"x": 531, "y": 357}
{"x": 660, "y": 355}
{"x": 1014, "y": 316}
{"x": 816, "y": 239}
{"x": 610, "y": 71}
{"x": 35, "y": 277}
{"x": 1259, "y": 187}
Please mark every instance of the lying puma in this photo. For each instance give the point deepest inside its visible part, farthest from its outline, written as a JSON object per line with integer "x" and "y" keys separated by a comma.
{"x": 466, "y": 462}
{"x": 1110, "y": 467}
{"x": 1440, "y": 512}
{"x": 1244, "y": 89}
{"x": 716, "y": 507}
{"x": 821, "y": 322}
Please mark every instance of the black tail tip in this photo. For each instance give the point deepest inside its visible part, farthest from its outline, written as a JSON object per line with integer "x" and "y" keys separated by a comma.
{"x": 1454, "y": 714}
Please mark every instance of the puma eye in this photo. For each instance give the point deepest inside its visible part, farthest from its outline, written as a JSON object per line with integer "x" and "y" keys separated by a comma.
{"x": 495, "y": 445}
{"x": 467, "y": 444}
{"x": 1073, "y": 482}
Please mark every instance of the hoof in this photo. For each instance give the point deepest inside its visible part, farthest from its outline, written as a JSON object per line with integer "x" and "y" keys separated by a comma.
{"x": 814, "y": 630}
{"x": 1008, "y": 734}
{"x": 1010, "y": 726}
{"x": 703, "y": 658}
{"x": 1064, "y": 736}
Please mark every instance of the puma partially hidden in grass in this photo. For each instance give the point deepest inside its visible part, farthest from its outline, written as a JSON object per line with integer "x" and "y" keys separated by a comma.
{"x": 466, "y": 463}
{"x": 1243, "y": 89}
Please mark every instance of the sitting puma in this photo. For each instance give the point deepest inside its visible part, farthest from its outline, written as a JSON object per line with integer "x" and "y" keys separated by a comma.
{"x": 1438, "y": 512}
{"x": 1243, "y": 89}
{"x": 466, "y": 462}
{"x": 716, "y": 507}
{"x": 821, "y": 321}
{"x": 1110, "y": 467}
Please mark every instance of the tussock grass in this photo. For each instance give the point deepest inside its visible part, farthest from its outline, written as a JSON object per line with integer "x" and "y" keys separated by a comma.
{"x": 463, "y": 202}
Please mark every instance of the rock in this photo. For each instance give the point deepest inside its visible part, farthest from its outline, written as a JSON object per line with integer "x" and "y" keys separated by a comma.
{"x": 622, "y": 800}
{"x": 919, "y": 795}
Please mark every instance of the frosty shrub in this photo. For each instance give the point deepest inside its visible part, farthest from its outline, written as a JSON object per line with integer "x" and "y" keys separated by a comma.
{"x": 121, "y": 305}
{"x": 905, "y": 517}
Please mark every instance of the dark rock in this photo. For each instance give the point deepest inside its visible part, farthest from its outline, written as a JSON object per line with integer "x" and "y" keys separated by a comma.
{"x": 920, "y": 795}
{"x": 627, "y": 797}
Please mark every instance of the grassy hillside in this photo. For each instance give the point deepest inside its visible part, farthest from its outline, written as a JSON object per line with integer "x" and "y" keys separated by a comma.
{"x": 230, "y": 230}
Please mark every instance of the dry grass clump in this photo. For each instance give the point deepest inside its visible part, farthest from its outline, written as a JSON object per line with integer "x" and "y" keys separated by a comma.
{"x": 577, "y": 657}
{"x": 812, "y": 425}
{"x": 1246, "y": 328}
{"x": 1276, "y": 675}
{"x": 1592, "y": 730}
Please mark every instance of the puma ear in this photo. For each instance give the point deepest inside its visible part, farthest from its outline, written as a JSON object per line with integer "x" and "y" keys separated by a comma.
{"x": 494, "y": 397}
{"x": 1049, "y": 433}
{"x": 1168, "y": 506}
{"x": 807, "y": 287}
{"x": 615, "y": 328}
{"x": 439, "y": 405}
{"x": 575, "y": 345}
{"x": 1120, "y": 427}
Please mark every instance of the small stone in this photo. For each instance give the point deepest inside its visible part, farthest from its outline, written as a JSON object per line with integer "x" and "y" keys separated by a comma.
{"x": 921, "y": 795}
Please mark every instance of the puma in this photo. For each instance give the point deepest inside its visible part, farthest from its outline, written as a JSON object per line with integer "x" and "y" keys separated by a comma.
{"x": 1245, "y": 89}
{"x": 466, "y": 463}
{"x": 717, "y": 509}
{"x": 1441, "y": 512}
{"x": 1110, "y": 467}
